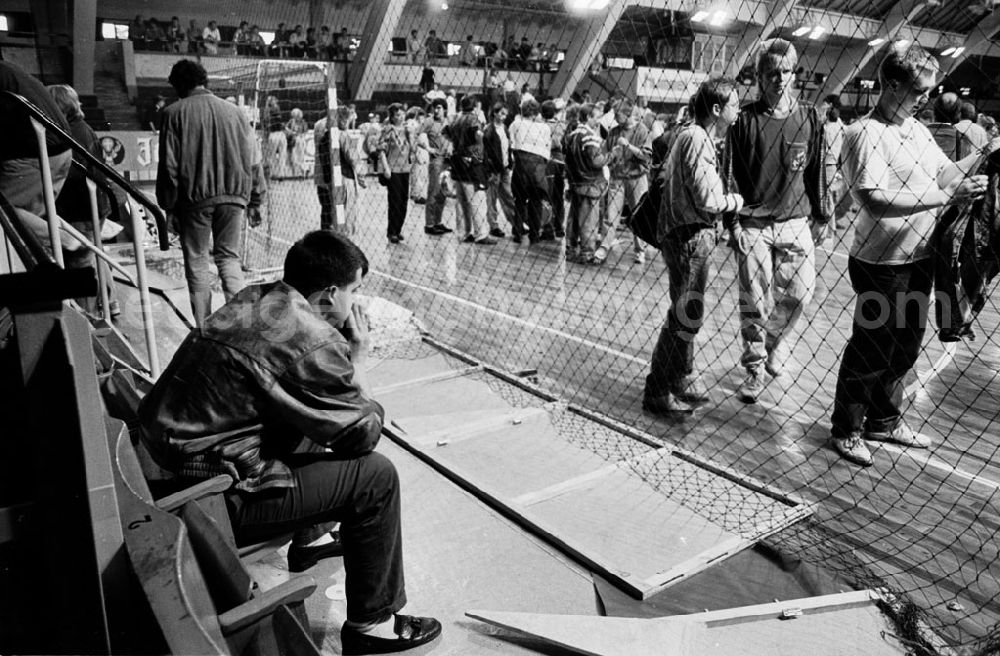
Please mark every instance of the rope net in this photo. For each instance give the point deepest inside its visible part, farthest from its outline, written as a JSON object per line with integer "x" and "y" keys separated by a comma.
{"x": 584, "y": 303}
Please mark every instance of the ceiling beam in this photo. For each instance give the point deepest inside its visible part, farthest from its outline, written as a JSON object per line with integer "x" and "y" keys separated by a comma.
{"x": 588, "y": 39}
{"x": 376, "y": 42}
{"x": 855, "y": 59}
{"x": 980, "y": 38}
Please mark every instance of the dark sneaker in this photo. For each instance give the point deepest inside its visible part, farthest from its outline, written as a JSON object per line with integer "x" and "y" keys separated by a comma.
{"x": 751, "y": 387}
{"x": 853, "y": 449}
{"x": 900, "y": 434}
{"x": 410, "y": 631}
{"x": 498, "y": 233}
{"x": 690, "y": 389}
{"x": 443, "y": 229}
{"x": 668, "y": 404}
{"x": 432, "y": 230}
{"x": 469, "y": 239}
{"x": 486, "y": 241}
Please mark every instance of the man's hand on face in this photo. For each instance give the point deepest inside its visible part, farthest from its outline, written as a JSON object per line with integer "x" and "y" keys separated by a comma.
{"x": 356, "y": 331}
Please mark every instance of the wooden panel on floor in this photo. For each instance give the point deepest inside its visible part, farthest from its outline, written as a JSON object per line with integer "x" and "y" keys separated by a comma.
{"x": 847, "y": 624}
{"x": 618, "y": 505}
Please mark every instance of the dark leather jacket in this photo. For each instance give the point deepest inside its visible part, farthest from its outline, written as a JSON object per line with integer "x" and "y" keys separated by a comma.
{"x": 264, "y": 372}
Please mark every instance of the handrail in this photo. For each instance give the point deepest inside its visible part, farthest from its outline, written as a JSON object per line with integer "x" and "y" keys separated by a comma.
{"x": 151, "y": 207}
{"x": 29, "y": 249}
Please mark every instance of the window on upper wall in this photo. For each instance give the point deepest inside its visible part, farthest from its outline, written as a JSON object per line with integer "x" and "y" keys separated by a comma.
{"x": 267, "y": 36}
{"x": 3, "y": 23}
{"x": 113, "y": 30}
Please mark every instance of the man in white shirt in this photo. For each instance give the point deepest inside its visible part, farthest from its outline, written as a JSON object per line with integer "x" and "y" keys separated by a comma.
{"x": 531, "y": 144}
{"x": 210, "y": 38}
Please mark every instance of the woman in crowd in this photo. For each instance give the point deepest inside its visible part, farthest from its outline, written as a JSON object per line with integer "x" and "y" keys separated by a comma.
{"x": 295, "y": 130}
{"x": 421, "y": 154}
{"x": 395, "y": 163}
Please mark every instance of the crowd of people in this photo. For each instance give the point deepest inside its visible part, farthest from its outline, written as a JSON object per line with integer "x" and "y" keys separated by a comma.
{"x": 510, "y": 54}
{"x": 151, "y": 34}
{"x": 776, "y": 175}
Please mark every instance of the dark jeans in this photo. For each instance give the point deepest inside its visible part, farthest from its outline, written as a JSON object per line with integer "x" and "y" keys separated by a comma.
{"x": 531, "y": 189}
{"x": 556, "y": 174}
{"x": 687, "y": 251}
{"x": 363, "y": 495}
{"x": 399, "y": 196}
{"x": 889, "y": 320}
{"x": 325, "y": 208}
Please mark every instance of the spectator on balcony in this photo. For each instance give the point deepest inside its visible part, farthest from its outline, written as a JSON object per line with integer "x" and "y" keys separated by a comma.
{"x": 297, "y": 41}
{"x": 210, "y": 38}
{"x": 415, "y": 48}
{"x": 241, "y": 39}
{"x": 193, "y": 37}
{"x": 255, "y": 42}
{"x": 434, "y": 94}
{"x": 280, "y": 44}
{"x": 433, "y": 46}
{"x": 137, "y": 33}
{"x": 176, "y": 37}
{"x": 311, "y": 43}
{"x": 324, "y": 44}
{"x": 156, "y": 38}
{"x": 345, "y": 45}
{"x": 467, "y": 54}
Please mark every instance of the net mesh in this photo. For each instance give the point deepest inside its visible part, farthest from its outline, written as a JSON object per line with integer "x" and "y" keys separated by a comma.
{"x": 920, "y": 523}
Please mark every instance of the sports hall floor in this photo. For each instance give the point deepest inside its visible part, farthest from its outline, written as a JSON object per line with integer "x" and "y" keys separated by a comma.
{"x": 924, "y": 521}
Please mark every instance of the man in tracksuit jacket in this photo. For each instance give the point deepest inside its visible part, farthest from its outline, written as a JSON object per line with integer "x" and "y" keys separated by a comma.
{"x": 585, "y": 164}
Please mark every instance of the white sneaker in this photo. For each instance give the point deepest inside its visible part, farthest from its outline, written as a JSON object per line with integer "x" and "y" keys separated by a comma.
{"x": 640, "y": 257}
{"x": 777, "y": 360}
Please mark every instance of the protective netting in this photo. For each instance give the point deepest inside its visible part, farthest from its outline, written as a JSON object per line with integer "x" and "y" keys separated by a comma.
{"x": 919, "y": 523}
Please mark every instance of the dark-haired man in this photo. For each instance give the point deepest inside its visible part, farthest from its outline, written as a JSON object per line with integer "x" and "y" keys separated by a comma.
{"x": 686, "y": 234}
{"x": 437, "y": 149}
{"x": 205, "y": 180}
{"x": 469, "y": 172}
{"x": 272, "y": 390}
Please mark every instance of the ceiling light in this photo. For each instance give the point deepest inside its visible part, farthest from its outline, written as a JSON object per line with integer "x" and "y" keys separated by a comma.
{"x": 947, "y": 51}
{"x": 958, "y": 52}
{"x": 876, "y": 42}
{"x": 817, "y": 32}
{"x": 444, "y": 5}
{"x": 699, "y": 16}
{"x": 802, "y": 30}
{"x": 719, "y": 18}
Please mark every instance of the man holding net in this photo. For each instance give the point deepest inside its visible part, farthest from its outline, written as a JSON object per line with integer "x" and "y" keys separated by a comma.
{"x": 900, "y": 177}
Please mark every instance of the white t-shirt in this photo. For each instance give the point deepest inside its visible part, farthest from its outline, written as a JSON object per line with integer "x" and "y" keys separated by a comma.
{"x": 879, "y": 155}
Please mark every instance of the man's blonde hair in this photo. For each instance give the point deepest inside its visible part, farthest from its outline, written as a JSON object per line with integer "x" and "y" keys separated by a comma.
{"x": 773, "y": 50}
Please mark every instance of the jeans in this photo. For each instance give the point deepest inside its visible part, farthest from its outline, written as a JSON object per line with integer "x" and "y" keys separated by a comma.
{"x": 498, "y": 189}
{"x": 472, "y": 205}
{"x": 584, "y": 222}
{"x": 531, "y": 189}
{"x": 777, "y": 277}
{"x": 687, "y": 250}
{"x": 363, "y": 495}
{"x": 556, "y": 174}
{"x": 889, "y": 320}
{"x": 399, "y": 190}
{"x": 435, "y": 195}
{"x": 623, "y": 193}
{"x": 216, "y": 230}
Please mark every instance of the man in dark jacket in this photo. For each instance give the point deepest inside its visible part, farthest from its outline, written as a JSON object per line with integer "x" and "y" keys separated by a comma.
{"x": 585, "y": 162}
{"x": 204, "y": 179}
{"x": 469, "y": 173}
{"x": 272, "y": 390}
{"x": 496, "y": 146}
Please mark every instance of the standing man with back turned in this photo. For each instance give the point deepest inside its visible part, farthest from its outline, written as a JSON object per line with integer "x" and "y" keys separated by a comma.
{"x": 204, "y": 179}
{"x": 776, "y": 146}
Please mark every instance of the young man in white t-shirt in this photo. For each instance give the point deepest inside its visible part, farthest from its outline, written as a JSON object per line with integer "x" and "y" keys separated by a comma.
{"x": 901, "y": 178}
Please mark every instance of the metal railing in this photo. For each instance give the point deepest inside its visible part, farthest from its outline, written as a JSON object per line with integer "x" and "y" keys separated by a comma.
{"x": 43, "y": 124}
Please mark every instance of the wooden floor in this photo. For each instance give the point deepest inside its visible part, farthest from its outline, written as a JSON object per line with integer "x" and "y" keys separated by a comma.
{"x": 924, "y": 521}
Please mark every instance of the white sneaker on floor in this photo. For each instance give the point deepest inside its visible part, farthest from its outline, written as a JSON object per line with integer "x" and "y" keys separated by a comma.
{"x": 640, "y": 257}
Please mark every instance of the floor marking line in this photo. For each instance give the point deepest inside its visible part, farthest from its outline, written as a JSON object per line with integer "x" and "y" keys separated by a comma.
{"x": 523, "y": 322}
